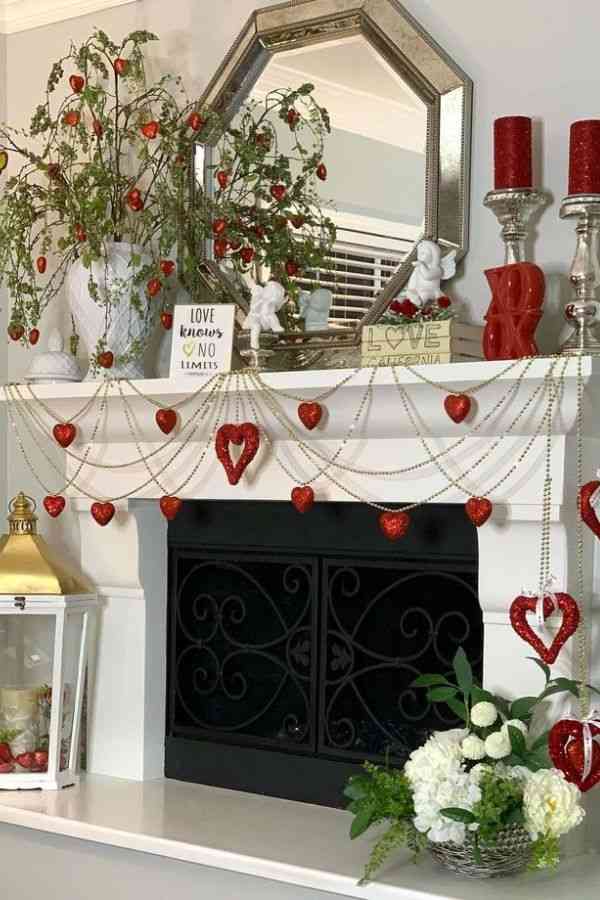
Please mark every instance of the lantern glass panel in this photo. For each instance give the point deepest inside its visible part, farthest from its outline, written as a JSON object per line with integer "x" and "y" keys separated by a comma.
{"x": 71, "y": 666}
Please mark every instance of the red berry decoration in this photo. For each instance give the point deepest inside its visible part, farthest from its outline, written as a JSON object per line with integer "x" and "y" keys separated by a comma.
{"x": 221, "y": 245}
{"x": 102, "y": 512}
{"x": 321, "y": 171}
{"x": 291, "y": 268}
{"x": 293, "y": 117}
{"x": 310, "y": 414}
{"x": 25, "y": 760}
{"x": 34, "y": 336}
{"x": 135, "y": 200}
{"x": 150, "y": 129}
{"x": 586, "y": 510}
{"x": 170, "y": 506}
{"x": 7, "y": 768}
{"x": 195, "y": 121}
{"x": 167, "y": 267}
{"x": 223, "y": 178}
{"x": 166, "y": 320}
{"x": 106, "y": 359}
{"x": 247, "y": 255}
{"x": 120, "y": 65}
{"x": 71, "y": 118}
{"x": 5, "y": 753}
{"x": 478, "y": 509}
{"x": 98, "y": 128}
{"x": 570, "y": 622}
{"x": 246, "y": 434}
{"x": 458, "y": 406}
{"x": 54, "y": 505}
{"x": 297, "y": 221}
{"x": 394, "y": 525}
{"x": 235, "y": 246}
{"x": 154, "y": 287}
{"x": 166, "y": 419}
{"x": 15, "y": 332}
{"x": 219, "y": 226}
{"x": 40, "y": 761}
{"x": 77, "y": 83}
{"x": 303, "y": 498}
{"x": 41, "y": 264}
{"x": 64, "y": 434}
{"x": 444, "y": 302}
{"x": 278, "y": 192}
{"x": 566, "y": 745}
{"x": 80, "y": 233}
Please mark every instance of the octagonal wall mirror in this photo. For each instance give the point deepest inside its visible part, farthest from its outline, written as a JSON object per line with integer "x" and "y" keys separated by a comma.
{"x": 397, "y": 154}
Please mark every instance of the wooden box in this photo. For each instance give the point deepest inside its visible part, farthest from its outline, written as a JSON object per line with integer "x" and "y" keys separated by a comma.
{"x": 420, "y": 342}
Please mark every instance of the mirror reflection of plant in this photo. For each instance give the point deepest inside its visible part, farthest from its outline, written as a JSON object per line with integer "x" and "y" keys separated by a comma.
{"x": 106, "y": 163}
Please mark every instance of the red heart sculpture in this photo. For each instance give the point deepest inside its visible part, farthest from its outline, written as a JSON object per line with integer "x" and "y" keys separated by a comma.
{"x": 170, "y": 506}
{"x": 478, "y": 509}
{"x": 249, "y": 435}
{"x": 587, "y": 511}
{"x": 64, "y": 433}
{"x": 458, "y": 406}
{"x": 310, "y": 414}
{"x": 54, "y": 504}
{"x": 571, "y": 616}
{"x": 565, "y": 745}
{"x": 394, "y": 525}
{"x": 102, "y": 512}
{"x": 166, "y": 419}
{"x": 303, "y": 498}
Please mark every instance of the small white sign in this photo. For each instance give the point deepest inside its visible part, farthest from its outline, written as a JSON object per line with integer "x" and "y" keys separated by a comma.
{"x": 202, "y": 339}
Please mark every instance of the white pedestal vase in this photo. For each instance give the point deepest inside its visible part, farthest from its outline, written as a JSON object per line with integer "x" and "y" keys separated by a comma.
{"x": 126, "y": 316}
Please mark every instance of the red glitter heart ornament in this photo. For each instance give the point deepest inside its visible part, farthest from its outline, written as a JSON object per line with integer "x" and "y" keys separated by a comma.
{"x": 170, "y": 506}
{"x": 478, "y": 509}
{"x": 54, "y": 504}
{"x": 102, "y": 512}
{"x": 587, "y": 511}
{"x": 166, "y": 419}
{"x": 303, "y": 498}
{"x": 310, "y": 414}
{"x": 458, "y": 406}
{"x": 246, "y": 434}
{"x": 566, "y": 745}
{"x": 394, "y": 525}
{"x": 64, "y": 433}
{"x": 570, "y": 622}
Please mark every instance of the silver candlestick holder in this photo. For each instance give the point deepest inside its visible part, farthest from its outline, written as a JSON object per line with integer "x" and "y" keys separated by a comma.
{"x": 514, "y": 207}
{"x": 584, "y": 274}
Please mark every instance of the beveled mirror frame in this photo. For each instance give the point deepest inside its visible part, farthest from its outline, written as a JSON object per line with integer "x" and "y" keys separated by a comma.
{"x": 443, "y": 87}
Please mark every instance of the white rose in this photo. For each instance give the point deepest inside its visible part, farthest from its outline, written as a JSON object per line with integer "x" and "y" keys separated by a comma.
{"x": 516, "y": 723}
{"x": 497, "y": 745}
{"x": 551, "y": 804}
{"x": 473, "y": 747}
{"x": 484, "y": 714}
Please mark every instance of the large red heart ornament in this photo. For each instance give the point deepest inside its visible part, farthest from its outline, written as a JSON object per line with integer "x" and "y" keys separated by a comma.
{"x": 458, "y": 406}
{"x": 587, "y": 511}
{"x": 566, "y": 748}
{"x": 394, "y": 525}
{"x": 166, "y": 419}
{"x": 64, "y": 433}
{"x": 54, "y": 504}
{"x": 102, "y": 512}
{"x": 478, "y": 509}
{"x": 303, "y": 498}
{"x": 310, "y": 414}
{"x": 246, "y": 434}
{"x": 170, "y": 506}
{"x": 570, "y": 622}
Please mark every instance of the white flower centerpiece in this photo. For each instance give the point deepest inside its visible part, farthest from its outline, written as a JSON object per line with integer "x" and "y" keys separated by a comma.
{"x": 484, "y": 799}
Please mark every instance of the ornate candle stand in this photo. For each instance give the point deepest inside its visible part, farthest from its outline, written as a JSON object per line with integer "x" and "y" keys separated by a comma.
{"x": 514, "y": 207}
{"x": 584, "y": 274}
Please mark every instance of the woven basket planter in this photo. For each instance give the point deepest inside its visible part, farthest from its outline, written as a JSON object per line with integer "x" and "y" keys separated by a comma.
{"x": 509, "y": 855}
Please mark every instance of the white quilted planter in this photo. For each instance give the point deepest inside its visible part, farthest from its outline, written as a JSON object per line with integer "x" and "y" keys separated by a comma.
{"x": 117, "y": 320}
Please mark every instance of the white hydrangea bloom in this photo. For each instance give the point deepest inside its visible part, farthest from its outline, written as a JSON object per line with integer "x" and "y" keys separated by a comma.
{"x": 551, "y": 804}
{"x": 497, "y": 745}
{"x": 473, "y": 747}
{"x": 484, "y": 714}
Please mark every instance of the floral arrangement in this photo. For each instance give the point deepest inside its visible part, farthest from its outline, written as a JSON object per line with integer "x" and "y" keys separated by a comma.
{"x": 468, "y": 785}
{"x": 405, "y": 312}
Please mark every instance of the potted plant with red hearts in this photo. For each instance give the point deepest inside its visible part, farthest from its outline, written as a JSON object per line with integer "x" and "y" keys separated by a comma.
{"x": 96, "y": 188}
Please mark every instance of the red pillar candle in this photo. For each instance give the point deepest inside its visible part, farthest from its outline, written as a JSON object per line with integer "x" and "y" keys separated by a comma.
{"x": 512, "y": 152}
{"x": 584, "y": 157}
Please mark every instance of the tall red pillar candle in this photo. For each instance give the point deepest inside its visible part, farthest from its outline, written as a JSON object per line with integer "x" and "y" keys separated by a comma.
{"x": 584, "y": 157}
{"x": 512, "y": 152}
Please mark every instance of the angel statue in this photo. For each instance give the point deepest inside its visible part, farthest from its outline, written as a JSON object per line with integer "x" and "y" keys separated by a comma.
{"x": 264, "y": 304}
{"x": 429, "y": 271}
{"x": 314, "y": 308}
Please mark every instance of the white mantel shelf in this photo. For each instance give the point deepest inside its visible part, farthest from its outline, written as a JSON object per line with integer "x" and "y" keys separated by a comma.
{"x": 287, "y": 842}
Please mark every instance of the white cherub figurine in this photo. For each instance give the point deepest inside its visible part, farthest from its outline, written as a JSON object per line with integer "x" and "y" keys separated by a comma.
{"x": 429, "y": 271}
{"x": 265, "y": 303}
{"x": 314, "y": 308}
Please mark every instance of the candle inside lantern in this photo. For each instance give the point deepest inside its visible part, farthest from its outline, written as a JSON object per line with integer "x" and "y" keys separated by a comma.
{"x": 584, "y": 157}
{"x": 512, "y": 152}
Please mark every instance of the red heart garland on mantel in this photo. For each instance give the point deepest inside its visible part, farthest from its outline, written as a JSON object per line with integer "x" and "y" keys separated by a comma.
{"x": 566, "y": 748}
{"x": 102, "y": 512}
{"x": 310, "y": 414}
{"x": 587, "y": 511}
{"x": 64, "y": 433}
{"x": 303, "y": 498}
{"x": 394, "y": 525}
{"x": 458, "y": 406}
{"x": 170, "y": 506}
{"x": 249, "y": 435}
{"x": 571, "y": 616}
{"x": 478, "y": 509}
{"x": 166, "y": 419}
{"x": 54, "y": 504}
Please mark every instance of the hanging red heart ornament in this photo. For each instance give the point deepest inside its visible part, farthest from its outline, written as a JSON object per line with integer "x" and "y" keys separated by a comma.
{"x": 570, "y": 622}
{"x": 574, "y": 748}
{"x": 246, "y": 434}
{"x": 586, "y": 508}
{"x": 64, "y": 433}
{"x": 170, "y": 506}
{"x": 54, "y": 504}
{"x": 166, "y": 419}
{"x": 102, "y": 512}
{"x": 478, "y": 509}
{"x": 394, "y": 525}
{"x": 310, "y": 414}
{"x": 458, "y": 406}
{"x": 303, "y": 498}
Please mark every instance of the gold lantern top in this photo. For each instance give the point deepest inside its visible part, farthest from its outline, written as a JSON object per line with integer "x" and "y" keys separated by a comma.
{"x": 27, "y": 564}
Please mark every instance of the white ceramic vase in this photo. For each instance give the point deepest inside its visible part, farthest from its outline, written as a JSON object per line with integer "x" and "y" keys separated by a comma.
{"x": 123, "y": 324}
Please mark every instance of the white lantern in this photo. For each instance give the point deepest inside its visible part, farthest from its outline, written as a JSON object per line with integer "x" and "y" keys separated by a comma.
{"x": 46, "y": 609}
